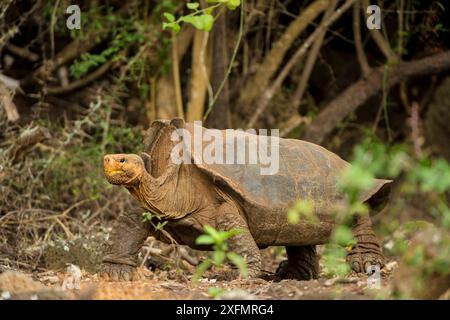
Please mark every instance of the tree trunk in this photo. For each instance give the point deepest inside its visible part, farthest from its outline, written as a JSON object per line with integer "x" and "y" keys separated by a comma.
{"x": 219, "y": 117}
{"x": 199, "y": 77}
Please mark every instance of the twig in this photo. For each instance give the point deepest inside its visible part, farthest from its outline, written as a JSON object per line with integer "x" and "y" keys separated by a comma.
{"x": 270, "y": 92}
{"x": 21, "y": 264}
{"x": 71, "y": 51}
{"x": 52, "y": 29}
{"x": 384, "y": 100}
{"x": 230, "y": 66}
{"x": 414, "y": 123}
{"x": 358, "y": 93}
{"x": 362, "y": 59}
{"x": 22, "y": 52}
{"x": 53, "y": 217}
{"x": 380, "y": 41}
{"x": 293, "y": 123}
{"x": 68, "y": 233}
{"x": 81, "y": 82}
{"x": 176, "y": 77}
{"x": 11, "y": 110}
{"x": 272, "y": 61}
{"x": 78, "y": 124}
{"x": 311, "y": 60}
{"x": 27, "y": 139}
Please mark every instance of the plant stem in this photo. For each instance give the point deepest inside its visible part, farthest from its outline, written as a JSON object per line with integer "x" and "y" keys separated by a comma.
{"x": 233, "y": 57}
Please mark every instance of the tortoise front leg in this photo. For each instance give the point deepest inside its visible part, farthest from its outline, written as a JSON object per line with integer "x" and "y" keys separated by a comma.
{"x": 229, "y": 218}
{"x": 127, "y": 238}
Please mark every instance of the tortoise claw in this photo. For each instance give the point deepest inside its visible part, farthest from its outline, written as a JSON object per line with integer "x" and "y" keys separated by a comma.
{"x": 362, "y": 261}
{"x": 118, "y": 272}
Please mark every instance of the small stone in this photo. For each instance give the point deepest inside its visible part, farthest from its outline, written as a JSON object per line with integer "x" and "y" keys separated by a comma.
{"x": 391, "y": 266}
{"x": 330, "y": 282}
{"x": 6, "y": 295}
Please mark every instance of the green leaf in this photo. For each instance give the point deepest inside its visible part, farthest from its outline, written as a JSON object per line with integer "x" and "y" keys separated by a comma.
{"x": 204, "y": 239}
{"x": 239, "y": 262}
{"x": 343, "y": 236}
{"x": 213, "y": 233}
{"x": 176, "y": 27}
{"x": 171, "y": 25}
{"x": 202, "y": 267}
{"x": 207, "y": 21}
{"x": 215, "y": 292}
{"x": 218, "y": 257}
{"x": 170, "y": 17}
{"x": 193, "y": 5}
{"x": 161, "y": 225}
{"x": 201, "y": 22}
{"x": 231, "y": 233}
{"x": 233, "y": 4}
{"x": 334, "y": 263}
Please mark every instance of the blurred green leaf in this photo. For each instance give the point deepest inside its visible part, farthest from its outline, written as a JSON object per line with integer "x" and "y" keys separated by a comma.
{"x": 202, "y": 267}
{"x": 170, "y": 17}
{"x": 193, "y": 5}
{"x": 239, "y": 262}
{"x": 343, "y": 236}
{"x": 218, "y": 257}
{"x": 204, "y": 240}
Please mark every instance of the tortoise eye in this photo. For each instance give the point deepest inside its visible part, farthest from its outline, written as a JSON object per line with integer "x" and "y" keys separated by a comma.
{"x": 122, "y": 160}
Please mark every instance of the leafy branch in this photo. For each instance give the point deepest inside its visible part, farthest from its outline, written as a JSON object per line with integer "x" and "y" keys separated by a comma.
{"x": 218, "y": 240}
{"x": 201, "y": 19}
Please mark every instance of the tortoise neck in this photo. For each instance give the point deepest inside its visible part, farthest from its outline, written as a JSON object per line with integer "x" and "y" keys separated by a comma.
{"x": 162, "y": 196}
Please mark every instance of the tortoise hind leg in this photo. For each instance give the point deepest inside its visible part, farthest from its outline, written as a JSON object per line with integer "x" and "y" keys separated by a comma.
{"x": 367, "y": 250}
{"x": 302, "y": 263}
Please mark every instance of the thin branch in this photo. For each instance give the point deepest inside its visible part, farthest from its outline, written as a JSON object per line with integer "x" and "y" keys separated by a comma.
{"x": 52, "y": 29}
{"x": 380, "y": 41}
{"x": 22, "y": 52}
{"x": 176, "y": 77}
{"x": 358, "y": 93}
{"x": 5, "y": 98}
{"x": 362, "y": 59}
{"x": 270, "y": 92}
{"x": 81, "y": 82}
{"x": 230, "y": 66}
{"x": 311, "y": 60}
{"x": 274, "y": 58}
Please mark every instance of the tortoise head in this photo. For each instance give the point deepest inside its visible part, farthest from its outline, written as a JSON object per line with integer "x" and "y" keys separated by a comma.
{"x": 123, "y": 169}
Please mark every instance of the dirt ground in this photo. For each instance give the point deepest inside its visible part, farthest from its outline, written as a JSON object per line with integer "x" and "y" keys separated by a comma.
{"x": 163, "y": 285}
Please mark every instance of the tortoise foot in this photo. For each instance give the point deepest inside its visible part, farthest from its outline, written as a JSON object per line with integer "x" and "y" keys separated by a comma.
{"x": 366, "y": 254}
{"x": 362, "y": 260}
{"x": 119, "y": 272}
{"x": 302, "y": 264}
{"x": 230, "y": 275}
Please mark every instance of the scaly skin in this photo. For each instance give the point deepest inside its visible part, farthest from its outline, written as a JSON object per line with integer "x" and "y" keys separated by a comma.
{"x": 229, "y": 218}
{"x": 302, "y": 264}
{"x": 367, "y": 250}
{"x": 127, "y": 238}
{"x": 191, "y": 196}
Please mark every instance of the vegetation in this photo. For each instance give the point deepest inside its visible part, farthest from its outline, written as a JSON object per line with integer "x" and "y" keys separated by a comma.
{"x": 379, "y": 98}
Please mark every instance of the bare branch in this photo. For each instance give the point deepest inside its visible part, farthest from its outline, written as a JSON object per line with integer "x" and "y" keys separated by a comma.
{"x": 270, "y": 92}
{"x": 358, "y": 93}
{"x": 362, "y": 59}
